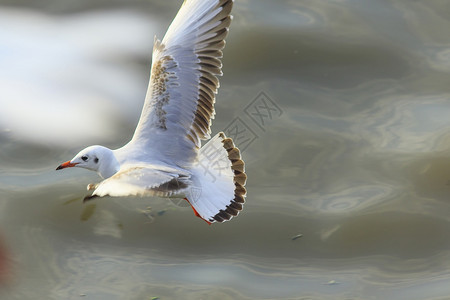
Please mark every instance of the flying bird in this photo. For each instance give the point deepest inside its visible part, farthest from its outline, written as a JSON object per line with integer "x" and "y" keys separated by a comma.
{"x": 165, "y": 157}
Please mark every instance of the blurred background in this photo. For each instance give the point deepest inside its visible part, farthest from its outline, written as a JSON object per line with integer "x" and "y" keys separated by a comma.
{"x": 345, "y": 106}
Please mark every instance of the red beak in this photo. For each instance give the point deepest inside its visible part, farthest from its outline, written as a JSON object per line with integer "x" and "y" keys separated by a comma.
{"x": 67, "y": 164}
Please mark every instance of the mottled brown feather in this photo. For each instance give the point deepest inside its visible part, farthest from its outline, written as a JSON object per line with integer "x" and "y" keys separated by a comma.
{"x": 234, "y": 154}
{"x": 236, "y": 206}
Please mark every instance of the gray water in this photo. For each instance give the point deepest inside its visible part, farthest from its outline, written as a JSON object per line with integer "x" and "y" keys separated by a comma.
{"x": 348, "y": 162}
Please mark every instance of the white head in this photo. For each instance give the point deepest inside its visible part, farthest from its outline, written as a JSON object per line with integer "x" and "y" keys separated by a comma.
{"x": 94, "y": 158}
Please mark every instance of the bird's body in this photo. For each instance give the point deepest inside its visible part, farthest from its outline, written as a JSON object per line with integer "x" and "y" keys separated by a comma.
{"x": 165, "y": 157}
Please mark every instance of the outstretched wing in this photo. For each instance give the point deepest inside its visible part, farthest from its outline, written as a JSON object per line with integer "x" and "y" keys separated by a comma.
{"x": 179, "y": 104}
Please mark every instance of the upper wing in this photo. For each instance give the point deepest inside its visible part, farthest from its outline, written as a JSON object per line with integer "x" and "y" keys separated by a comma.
{"x": 179, "y": 104}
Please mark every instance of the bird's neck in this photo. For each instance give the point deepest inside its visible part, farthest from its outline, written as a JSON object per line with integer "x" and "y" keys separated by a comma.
{"x": 110, "y": 168}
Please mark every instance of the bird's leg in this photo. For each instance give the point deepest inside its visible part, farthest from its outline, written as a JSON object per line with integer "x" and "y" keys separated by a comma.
{"x": 196, "y": 213}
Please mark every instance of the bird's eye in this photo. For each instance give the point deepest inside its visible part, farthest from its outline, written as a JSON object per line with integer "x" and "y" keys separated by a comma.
{"x": 84, "y": 158}
{"x": 96, "y": 160}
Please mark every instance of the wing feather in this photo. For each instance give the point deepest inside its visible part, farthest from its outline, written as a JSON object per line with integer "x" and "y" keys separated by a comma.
{"x": 144, "y": 180}
{"x": 179, "y": 104}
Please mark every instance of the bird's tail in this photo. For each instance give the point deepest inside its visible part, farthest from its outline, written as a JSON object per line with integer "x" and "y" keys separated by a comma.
{"x": 217, "y": 193}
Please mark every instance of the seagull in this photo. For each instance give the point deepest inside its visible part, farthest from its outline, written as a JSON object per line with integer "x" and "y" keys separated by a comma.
{"x": 165, "y": 157}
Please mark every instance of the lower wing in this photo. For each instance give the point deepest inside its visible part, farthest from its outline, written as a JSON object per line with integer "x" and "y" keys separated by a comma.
{"x": 143, "y": 180}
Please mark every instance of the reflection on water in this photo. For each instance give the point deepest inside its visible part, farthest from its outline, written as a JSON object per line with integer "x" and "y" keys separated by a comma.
{"x": 356, "y": 166}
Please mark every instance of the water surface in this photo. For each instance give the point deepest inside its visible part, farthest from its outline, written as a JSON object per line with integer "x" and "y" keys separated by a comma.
{"x": 348, "y": 190}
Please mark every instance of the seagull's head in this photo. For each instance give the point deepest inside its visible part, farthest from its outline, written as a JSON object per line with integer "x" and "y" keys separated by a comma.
{"x": 95, "y": 158}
